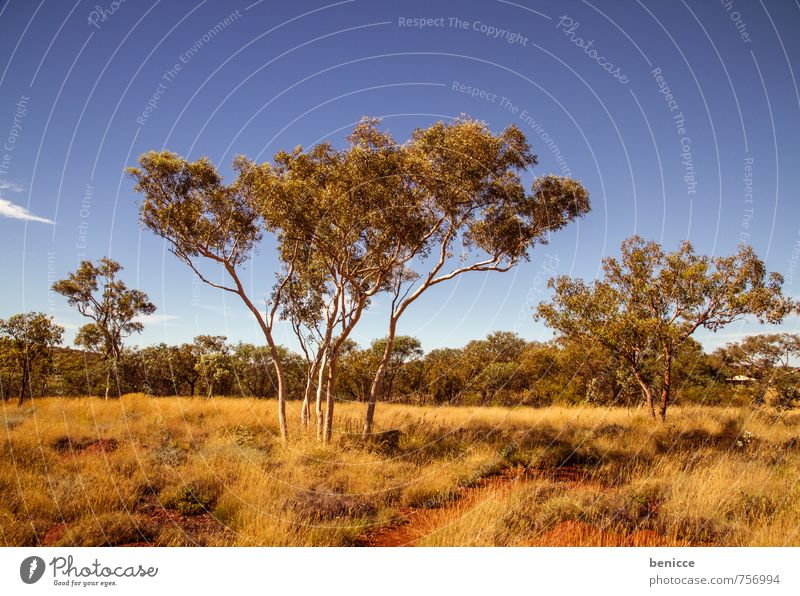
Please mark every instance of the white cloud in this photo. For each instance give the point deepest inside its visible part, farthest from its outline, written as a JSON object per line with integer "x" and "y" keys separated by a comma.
{"x": 11, "y": 186}
{"x": 155, "y": 319}
{"x": 9, "y": 209}
{"x": 67, "y": 326}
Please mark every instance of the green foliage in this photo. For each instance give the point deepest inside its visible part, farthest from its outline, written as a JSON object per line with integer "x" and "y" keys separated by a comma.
{"x": 650, "y": 302}
{"x": 532, "y": 374}
{"x": 98, "y": 295}
{"x": 403, "y": 372}
{"x": 113, "y": 309}
{"x": 213, "y": 364}
{"x": 767, "y": 362}
{"x": 443, "y": 377}
{"x": 348, "y": 224}
{"x": 27, "y": 343}
{"x": 194, "y": 498}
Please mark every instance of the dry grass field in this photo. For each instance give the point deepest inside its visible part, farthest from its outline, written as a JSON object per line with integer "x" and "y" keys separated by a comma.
{"x": 189, "y": 471}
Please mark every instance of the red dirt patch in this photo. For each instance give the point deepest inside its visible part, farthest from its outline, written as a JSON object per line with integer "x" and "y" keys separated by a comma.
{"x": 68, "y": 446}
{"x": 196, "y": 528}
{"x": 413, "y": 524}
{"x": 101, "y": 446}
{"x": 54, "y": 534}
{"x": 575, "y": 533}
{"x": 574, "y": 474}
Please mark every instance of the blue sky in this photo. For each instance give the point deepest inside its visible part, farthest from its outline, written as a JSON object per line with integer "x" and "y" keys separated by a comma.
{"x": 86, "y": 87}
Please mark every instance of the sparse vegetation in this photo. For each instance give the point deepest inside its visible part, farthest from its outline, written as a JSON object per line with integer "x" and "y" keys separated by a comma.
{"x": 380, "y": 220}
{"x": 183, "y": 471}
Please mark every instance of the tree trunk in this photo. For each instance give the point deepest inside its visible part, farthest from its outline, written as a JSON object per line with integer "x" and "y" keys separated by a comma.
{"x": 281, "y": 401}
{"x": 276, "y": 361}
{"x": 665, "y": 384}
{"x": 108, "y": 382}
{"x": 117, "y": 382}
{"x": 305, "y": 410}
{"x": 377, "y": 383}
{"x": 647, "y": 392}
{"x": 320, "y": 388}
{"x": 329, "y": 402}
{"x": 273, "y": 351}
{"x": 305, "y": 407}
{"x": 25, "y": 375}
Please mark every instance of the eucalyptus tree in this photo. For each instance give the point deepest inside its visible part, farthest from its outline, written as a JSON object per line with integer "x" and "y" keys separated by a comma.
{"x": 208, "y": 223}
{"x": 358, "y": 367}
{"x": 182, "y": 363}
{"x": 312, "y": 318}
{"x": 213, "y": 362}
{"x": 650, "y": 302}
{"x": 30, "y": 339}
{"x": 759, "y": 355}
{"x": 467, "y": 189}
{"x": 252, "y": 367}
{"x": 769, "y": 359}
{"x": 346, "y": 217}
{"x": 112, "y": 307}
{"x": 444, "y": 377}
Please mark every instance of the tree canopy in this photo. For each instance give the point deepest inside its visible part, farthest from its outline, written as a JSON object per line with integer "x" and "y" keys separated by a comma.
{"x": 349, "y": 222}
{"x": 649, "y": 302}
{"x": 113, "y": 308}
{"x": 29, "y": 341}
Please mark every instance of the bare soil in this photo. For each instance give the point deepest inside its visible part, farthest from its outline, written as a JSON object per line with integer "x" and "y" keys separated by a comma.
{"x": 413, "y": 524}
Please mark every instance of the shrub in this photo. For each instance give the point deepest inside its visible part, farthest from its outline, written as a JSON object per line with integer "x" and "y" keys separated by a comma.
{"x": 193, "y": 498}
{"x": 753, "y": 508}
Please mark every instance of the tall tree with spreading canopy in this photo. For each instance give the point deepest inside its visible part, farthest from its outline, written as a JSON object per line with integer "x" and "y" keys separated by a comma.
{"x": 466, "y": 188}
{"x": 650, "y": 302}
{"x": 30, "y": 339}
{"x": 349, "y": 221}
{"x": 207, "y": 222}
{"x": 346, "y": 216}
{"x": 113, "y": 309}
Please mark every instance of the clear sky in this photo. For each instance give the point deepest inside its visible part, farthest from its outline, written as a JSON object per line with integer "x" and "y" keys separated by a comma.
{"x": 680, "y": 118}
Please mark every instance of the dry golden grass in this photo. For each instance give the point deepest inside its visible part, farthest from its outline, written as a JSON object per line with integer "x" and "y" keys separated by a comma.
{"x": 183, "y": 471}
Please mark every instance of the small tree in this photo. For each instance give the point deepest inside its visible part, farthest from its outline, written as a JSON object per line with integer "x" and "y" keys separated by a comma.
{"x": 182, "y": 362}
{"x": 113, "y": 309}
{"x": 31, "y": 338}
{"x": 252, "y": 365}
{"x": 768, "y": 359}
{"x": 406, "y": 349}
{"x": 650, "y": 302}
{"x": 492, "y": 364}
{"x": 151, "y": 369}
{"x": 358, "y": 366}
{"x": 444, "y": 376}
{"x": 213, "y": 363}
